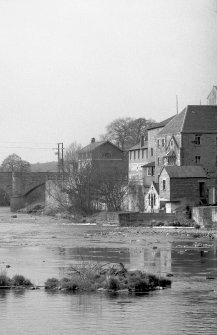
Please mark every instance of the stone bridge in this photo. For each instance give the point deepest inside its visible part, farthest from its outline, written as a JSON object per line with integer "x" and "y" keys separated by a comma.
{"x": 20, "y": 185}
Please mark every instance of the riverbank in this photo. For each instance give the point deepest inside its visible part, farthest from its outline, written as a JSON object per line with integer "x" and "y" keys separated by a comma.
{"x": 28, "y": 229}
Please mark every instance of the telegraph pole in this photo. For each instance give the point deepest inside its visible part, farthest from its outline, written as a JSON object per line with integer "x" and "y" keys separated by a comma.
{"x": 60, "y": 157}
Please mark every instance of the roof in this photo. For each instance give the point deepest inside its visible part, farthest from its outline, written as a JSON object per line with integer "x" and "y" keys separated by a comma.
{"x": 149, "y": 164}
{"x": 170, "y": 153}
{"x": 161, "y": 124}
{"x": 214, "y": 88}
{"x": 156, "y": 186}
{"x": 193, "y": 119}
{"x": 138, "y": 146}
{"x": 185, "y": 171}
{"x": 93, "y": 145}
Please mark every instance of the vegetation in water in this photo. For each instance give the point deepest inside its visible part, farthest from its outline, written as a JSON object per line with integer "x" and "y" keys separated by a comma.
{"x": 93, "y": 276}
{"x": 17, "y": 280}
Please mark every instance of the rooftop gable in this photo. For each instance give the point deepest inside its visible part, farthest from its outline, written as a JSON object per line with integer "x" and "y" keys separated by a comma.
{"x": 193, "y": 119}
{"x": 175, "y": 125}
{"x": 200, "y": 119}
{"x": 93, "y": 145}
{"x": 161, "y": 124}
{"x": 185, "y": 171}
{"x": 213, "y": 89}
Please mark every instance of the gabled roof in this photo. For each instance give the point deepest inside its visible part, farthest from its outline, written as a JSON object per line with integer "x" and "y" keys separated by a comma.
{"x": 185, "y": 171}
{"x": 193, "y": 119}
{"x": 156, "y": 186}
{"x": 214, "y": 88}
{"x": 171, "y": 153}
{"x": 149, "y": 164}
{"x": 138, "y": 146}
{"x": 162, "y": 123}
{"x": 93, "y": 145}
{"x": 175, "y": 125}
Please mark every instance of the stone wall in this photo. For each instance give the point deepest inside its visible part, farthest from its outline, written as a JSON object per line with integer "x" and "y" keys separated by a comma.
{"x": 144, "y": 219}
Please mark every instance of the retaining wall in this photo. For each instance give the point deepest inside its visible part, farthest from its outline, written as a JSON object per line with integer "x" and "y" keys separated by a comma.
{"x": 145, "y": 219}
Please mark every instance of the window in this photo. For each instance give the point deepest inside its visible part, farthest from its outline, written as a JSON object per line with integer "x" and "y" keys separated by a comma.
{"x": 158, "y": 143}
{"x": 158, "y": 161}
{"x": 106, "y": 155}
{"x": 138, "y": 154}
{"x": 197, "y": 139}
{"x": 130, "y": 155}
{"x": 134, "y": 155}
{"x": 164, "y": 185}
{"x": 152, "y": 152}
{"x": 149, "y": 199}
{"x": 171, "y": 143}
{"x": 150, "y": 171}
{"x": 197, "y": 159}
{"x": 163, "y": 142}
{"x": 143, "y": 152}
{"x": 146, "y": 153}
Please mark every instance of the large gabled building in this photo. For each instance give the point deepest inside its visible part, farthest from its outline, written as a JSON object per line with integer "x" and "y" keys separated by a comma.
{"x": 189, "y": 139}
{"x": 103, "y": 156}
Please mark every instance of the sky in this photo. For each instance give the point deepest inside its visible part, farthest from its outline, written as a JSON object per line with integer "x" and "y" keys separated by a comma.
{"x": 70, "y": 67}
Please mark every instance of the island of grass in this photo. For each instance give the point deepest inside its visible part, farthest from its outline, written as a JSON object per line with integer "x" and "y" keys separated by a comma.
{"x": 94, "y": 277}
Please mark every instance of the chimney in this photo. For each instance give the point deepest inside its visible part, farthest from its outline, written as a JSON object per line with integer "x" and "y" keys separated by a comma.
{"x": 93, "y": 140}
{"x": 142, "y": 140}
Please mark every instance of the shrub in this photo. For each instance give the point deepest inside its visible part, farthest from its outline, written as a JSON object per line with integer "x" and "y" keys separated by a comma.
{"x": 164, "y": 282}
{"x": 4, "y": 279}
{"x": 51, "y": 283}
{"x": 68, "y": 284}
{"x": 19, "y": 280}
{"x": 113, "y": 283}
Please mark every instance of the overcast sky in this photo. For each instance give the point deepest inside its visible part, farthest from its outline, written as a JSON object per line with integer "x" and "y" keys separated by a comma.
{"x": 70, "y": 67}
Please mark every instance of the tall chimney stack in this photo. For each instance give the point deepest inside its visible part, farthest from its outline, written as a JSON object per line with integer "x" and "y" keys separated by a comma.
{"x": 93, "y": 140}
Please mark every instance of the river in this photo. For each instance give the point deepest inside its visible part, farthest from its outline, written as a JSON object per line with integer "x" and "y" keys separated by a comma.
{"x": 41, "y": 251}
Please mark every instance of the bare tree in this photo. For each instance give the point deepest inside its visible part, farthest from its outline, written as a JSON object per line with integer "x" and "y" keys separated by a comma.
{"x": 86, "y": 190}
{"x": 14, "y": 163}
{"x": 126, "y": 132}
{"x": 71, "y": 156}
{"x": 118, "y": 131}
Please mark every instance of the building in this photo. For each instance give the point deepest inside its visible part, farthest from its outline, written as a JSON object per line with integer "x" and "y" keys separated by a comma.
{"x": 104, "y": 156}
{"x": 137, "y": 157}
{"x": 212, "y": 97}
{"x": 188, "y": 139}
{"x": 183, "y": 185}
{"x": 141, "y": 167}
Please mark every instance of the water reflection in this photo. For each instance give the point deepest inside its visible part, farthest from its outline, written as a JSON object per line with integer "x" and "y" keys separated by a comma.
{"x": 189, "y": 307}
